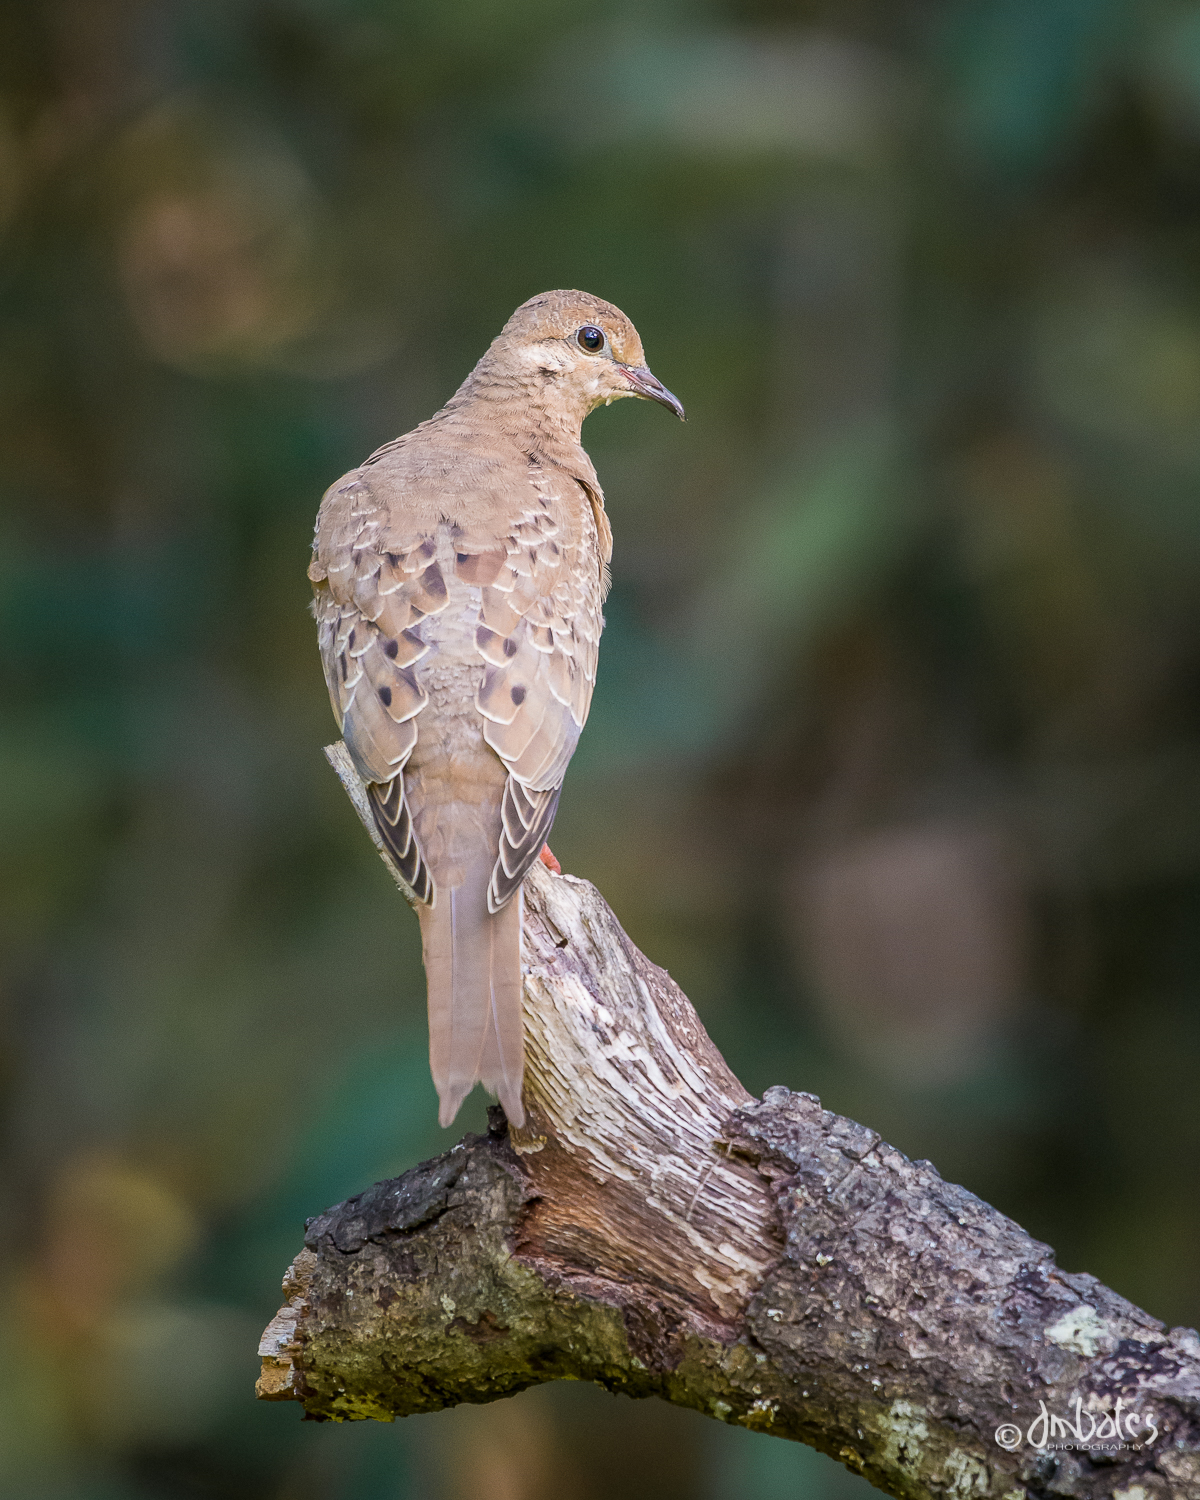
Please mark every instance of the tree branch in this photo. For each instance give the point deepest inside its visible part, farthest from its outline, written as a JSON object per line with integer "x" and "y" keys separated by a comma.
{"x": 655, "y": 1229}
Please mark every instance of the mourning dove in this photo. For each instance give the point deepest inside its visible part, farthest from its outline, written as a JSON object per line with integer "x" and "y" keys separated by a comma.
{"x": 459, "y": 575}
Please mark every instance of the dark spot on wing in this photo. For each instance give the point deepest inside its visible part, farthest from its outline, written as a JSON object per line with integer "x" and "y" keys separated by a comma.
{"x": 510, "y": 646}
{"x": 350, "y": 638}
{"x": 385, "y": 696}
{"x": 390, "y": 648}
{"x": 480, "y": 567}
{"x": 518, "y": 694}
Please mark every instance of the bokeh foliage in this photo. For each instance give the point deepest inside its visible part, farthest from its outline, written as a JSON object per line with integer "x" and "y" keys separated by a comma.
{"x": 894, "y": 759}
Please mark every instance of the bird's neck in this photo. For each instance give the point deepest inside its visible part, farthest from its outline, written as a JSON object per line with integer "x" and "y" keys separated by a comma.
{"x": 529, "y": 407}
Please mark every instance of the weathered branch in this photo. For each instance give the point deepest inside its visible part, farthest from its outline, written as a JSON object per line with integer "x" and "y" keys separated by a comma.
{"x": 656, "y": 1230}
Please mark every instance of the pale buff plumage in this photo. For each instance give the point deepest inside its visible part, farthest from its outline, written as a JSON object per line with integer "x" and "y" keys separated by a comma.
{"x": 459, "y": 576}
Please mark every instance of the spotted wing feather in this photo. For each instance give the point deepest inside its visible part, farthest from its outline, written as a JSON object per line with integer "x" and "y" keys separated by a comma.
{"x": 539, "y": 632}
{"x": 369, "y": 605}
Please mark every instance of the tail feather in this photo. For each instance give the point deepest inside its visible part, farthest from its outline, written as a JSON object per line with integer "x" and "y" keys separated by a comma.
{"x": 502, "y": 1062}
{"x": 473, "y": 970}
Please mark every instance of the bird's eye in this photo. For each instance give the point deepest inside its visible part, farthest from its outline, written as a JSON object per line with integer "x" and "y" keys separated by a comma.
{"x": 590, "y": 339}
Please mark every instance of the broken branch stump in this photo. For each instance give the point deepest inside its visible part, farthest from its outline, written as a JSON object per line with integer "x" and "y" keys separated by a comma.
{"x": 656, "y": 1230}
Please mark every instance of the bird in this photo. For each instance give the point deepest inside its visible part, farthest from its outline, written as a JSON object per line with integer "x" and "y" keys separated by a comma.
{"x": 459, "y": 575}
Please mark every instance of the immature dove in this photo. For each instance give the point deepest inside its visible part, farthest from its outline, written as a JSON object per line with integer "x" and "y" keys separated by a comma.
{"x": 459, "y": 575}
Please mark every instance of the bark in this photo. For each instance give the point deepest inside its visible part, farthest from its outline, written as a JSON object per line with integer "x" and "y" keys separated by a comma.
{"x": 655, "y": 1229}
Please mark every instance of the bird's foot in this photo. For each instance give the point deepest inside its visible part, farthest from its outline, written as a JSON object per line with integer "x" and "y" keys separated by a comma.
{"x": 549, "y": 860}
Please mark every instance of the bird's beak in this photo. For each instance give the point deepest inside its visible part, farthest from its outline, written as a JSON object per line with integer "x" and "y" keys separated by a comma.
{"x": 645, "y": 384}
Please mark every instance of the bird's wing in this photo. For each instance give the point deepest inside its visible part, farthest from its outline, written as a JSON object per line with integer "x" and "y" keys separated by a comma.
{"x": 539, "y": 633}
{"x": 369, "y": 606}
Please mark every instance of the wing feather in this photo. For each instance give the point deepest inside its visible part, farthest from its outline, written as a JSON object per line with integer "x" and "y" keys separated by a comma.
{"x": 539, "y": 623}
{"x": 520, "y": 844}
{"x": 369, "y": 606}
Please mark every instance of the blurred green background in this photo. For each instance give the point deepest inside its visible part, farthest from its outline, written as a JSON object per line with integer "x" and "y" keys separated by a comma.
{"x": 894, "y": 760}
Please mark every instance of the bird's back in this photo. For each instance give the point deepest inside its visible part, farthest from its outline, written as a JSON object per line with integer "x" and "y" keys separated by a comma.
{"x": 493, "y": 560}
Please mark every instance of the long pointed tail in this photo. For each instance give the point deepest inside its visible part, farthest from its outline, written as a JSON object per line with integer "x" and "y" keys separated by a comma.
{"x": 473, "y": 971}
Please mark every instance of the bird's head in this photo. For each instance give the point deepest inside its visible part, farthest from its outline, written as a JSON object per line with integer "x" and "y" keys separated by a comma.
{"x": 583, "y": 348}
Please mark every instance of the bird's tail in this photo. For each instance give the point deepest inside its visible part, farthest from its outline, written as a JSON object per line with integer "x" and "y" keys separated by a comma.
{"x": 473, "y": 972}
